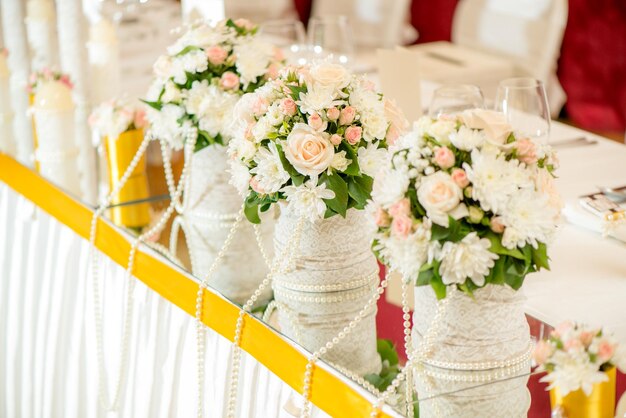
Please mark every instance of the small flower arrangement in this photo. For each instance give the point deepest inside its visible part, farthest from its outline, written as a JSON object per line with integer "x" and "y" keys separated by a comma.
{"x": 117, "y": 116}
{"x": 4, "y": 52}
{"x": 576, "y": 357}
{"x": 315, "y": 137}
{"x": 47, "y": 75}
{"x": 202, "y": 77}
{"x": 465, "y": 202}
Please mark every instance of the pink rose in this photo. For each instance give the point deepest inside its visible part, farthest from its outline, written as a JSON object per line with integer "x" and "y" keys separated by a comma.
{"x": 381, "y": 218}
{"x": 347, "y": 115}
{"x": 398, "y": 125}
{"x": 259, "y": 107}
{"x": 272, "y": 72}
{"x": 335, "y": 139}
{"x": 288, "y": 106}
{"x": 316, "y": 122}
{"x": 254, "y": 183}
{"x": 444, "y": 158}
{"x": 244, "y": 23}
{"x": 332, "y": 113}
{"x": 64, "y": 79}
{"x": 401, "y": 226}
{"x": 605, "y": 351}
{"x": 563, "y": 328}
{"x": 353, "y": 135}
{"x": 573, "y": 344}
{"x": 526, "y": 151}
{"x": 216, "y": 55}
{"x": 543, "y": 350}
{"x": 229, "y": 80}
{"x": 496, "y": 225}
{"x": 586, "y": 337}
{"x": 460, "y": 177}
{"x": 368, "y": 85}
{"x": 140, "y": 118}
{"x": 400, "y": 208}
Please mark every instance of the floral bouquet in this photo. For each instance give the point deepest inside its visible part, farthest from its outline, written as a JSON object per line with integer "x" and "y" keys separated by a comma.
{"x": 116, "y": 116}
{"x": 577, "y": 357}
{"x": 314, "y": 137}
{"x": 201, "y": 78}
{"x": 465, "y": 202}
{"x": 46, "y": 75}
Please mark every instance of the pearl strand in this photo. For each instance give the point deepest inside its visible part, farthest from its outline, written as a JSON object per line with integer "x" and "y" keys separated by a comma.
{"x": 102, "y": 381}
{"x": 200, "y": 336}
{"x": 308, "y": 374}
{"x": 406, "y": 317}
{"x": 289, "y": 253}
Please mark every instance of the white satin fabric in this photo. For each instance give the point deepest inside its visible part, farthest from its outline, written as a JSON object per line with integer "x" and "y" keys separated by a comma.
{"x": 48, "y": 364}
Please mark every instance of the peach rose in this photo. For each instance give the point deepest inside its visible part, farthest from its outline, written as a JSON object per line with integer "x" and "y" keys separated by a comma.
{"x": 401, "y": 226}
{"x": 401, "y": 207}
{"x": 381, "y": 218}
{"x": 496, "y": 225}
{"x": 259, "y": 106}
{"x": 254, "y": 183}
{"x": 605, "y": 351}
{"x": 573, "y": 344}
{"x": 347, "y": 115}
{"x": 543, "y": 350}
{"x": 216, "y": 55}
{"x": 439, "y": 195}
{"x": 309, "y": 151}
{"x": 244, "y": 23}
{"x": 229, "y": 80}
{"x": 586, "y": 337}
{"x": 526, "y": 151}
{"x": 444, "y": 157}
{"x": 272, "y": 71}
{"x": 398, "y": 124}
{"x": 335, "y": 139}
{"x": 493, "y": 123}
{"x": 460, "y": 177}
{"x": 332, "y": 113}
{"x": 288, "y": 106}
{"x": 353, "y": 134}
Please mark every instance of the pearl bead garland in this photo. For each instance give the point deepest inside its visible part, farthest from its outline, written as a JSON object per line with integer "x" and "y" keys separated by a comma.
{"x": 286, "y": 260}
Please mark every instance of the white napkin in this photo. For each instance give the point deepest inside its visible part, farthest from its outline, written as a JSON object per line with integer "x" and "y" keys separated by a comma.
{"x": 578, "y": 215}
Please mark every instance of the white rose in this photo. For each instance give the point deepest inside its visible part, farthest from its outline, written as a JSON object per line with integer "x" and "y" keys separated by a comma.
{"x": 310, "y": 152}
{"x": 439, "y": 195}
{"x": 340, "y": 162}
{"x": 329, "y": 75}
{"x": 493, "y": 123}
{"x": 441, "y": 130}
{"x": 163, "y": 67}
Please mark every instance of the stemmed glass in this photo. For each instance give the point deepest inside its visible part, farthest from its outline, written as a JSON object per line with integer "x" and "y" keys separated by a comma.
{"x": 288, "y": 35}
{"x": 331, "y": 36}
{"x": 455, "y": 98}
{"x": 524, "y": 102}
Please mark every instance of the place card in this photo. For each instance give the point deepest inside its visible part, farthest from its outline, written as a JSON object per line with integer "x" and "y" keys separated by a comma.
{"x": 400, "y": 81}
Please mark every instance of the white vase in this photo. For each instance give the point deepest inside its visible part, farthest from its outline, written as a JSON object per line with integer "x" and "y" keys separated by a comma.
{"x": 335, "y": 275}
{"x": 209, "y": 210}
{"x": 476, "y": 341}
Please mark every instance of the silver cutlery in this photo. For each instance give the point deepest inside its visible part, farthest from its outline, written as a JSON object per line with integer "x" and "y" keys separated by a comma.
{"x": 575, "y": 142}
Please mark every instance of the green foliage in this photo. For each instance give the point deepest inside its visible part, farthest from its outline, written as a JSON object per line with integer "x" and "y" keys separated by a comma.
{"x": 256, "y": 201}
{"x": 334, "y": 182}
{"x": 360, "y": 190}
{"x": 391, "y": 368}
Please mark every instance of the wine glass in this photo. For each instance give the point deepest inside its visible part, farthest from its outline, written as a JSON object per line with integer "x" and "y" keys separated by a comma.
{"x": 524, "y": 102}
{"x": 331, "y": 37}
{"x": 455, "y": 98}
{"x": 288, "y": 35}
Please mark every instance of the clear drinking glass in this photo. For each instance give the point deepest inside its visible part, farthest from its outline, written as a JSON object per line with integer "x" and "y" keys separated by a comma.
{"x": 455, "y": 98}
{"x": 525, "y": 104}
{"x": 331, "y": 37}
{"x": 288, "y": 35}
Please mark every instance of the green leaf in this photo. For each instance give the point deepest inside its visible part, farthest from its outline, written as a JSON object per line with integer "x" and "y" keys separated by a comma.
{"x": 498, "y": 248}
{"x": 496, "y": 275}
{"x": 437, "y": 283}
{"x": 424, "y": 277}
{"x": 186, "y": 49}
{"x": 353, "y": 169}
{"x": 338, "y": 185}
{"x": 296, "y": 177}
{"x": 387, "y": 351}
{"x": 439, "y": 233}
{"x": 374, "y": 379}
{"x": 251, "y": 208}
{"x": 155, "y": 105}
{"x": 540, "y": 256}
{"x": 296, "y": 90}
{"x": 360, "y": 189}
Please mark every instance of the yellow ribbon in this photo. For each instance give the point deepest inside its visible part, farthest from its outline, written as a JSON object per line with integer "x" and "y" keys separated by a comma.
{"x": 328, "y": 392}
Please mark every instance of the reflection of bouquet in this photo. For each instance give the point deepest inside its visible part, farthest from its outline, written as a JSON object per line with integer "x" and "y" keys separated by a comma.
{"x": 315, "y": 137}
{"x": 116, "y": 116}
{"x": 45, "y": 75}
{"x": 465, "y": 202}
{"x": 576, "y": 357}
{"x": 204, "y": 74}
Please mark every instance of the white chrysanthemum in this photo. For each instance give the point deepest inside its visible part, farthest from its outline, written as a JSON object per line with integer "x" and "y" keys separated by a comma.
{"x": 406, "y": 255}
{"x": 171, "y": 93}
{"x": 317, "y": 98}
{"x": 253, "y": 58}
{"x": 573, "y": 371}
{"x": 194, "y": 61}
{"x": 363, "y": 99}
{"x": 340, "y": 162}
{"x": 262, "y": 129}
{"x": 307, "y": 200}
{"x": 164, "y": 125}
{"x": 195, "y": 98}
{"x": 216, "y": 111}
{"x": 239, "y": 176}
{"x": 242, "y": 114}
{"x": 422, "y": 126}
{"x": 528, "y": 219}
{"x": 371, "y": 159}
{"x": 441, "y": 130}
{"x": 274, "y": 115}
{"x": 389, "y": 186}
{"x": 242, "y": 149}
{"x": 467, "y": 139}
{"x": 269, "y": 171}
{"x": 163, "y": 67}
{"x": 494, "y": 180}
{"x": 412, "y": 140}
{"x": 374, "y": 123}
{"x": 468, "y": 259}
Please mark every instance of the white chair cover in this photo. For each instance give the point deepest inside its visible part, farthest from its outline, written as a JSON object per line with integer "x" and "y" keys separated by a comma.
{"x": 529, "y": 32}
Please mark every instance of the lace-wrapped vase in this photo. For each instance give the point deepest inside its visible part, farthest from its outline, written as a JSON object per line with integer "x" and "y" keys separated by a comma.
{"x": 477, "y": 340}
{"x": 334, "y": 275}
{"x": 209, "y": 210}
